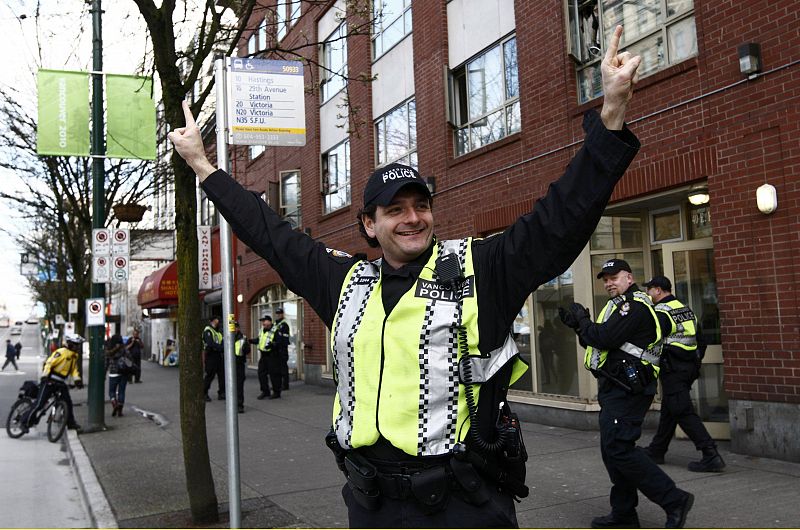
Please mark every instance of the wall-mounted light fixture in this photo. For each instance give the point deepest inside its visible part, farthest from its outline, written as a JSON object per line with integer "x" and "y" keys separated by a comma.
{"x": 239, "y": 298}
{"x": 750, "y": 59}
{"x": 767, "y": 198}
{"x": 698, "y": 194}
{"x": 430, "y": 182}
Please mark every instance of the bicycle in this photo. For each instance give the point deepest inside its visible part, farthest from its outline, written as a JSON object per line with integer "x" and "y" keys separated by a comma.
{"x": 55, "y": 408}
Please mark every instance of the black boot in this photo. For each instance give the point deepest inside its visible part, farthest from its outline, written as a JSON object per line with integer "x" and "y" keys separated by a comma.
{"x": 616, "y": 521}
{"x": 711, "y": 461}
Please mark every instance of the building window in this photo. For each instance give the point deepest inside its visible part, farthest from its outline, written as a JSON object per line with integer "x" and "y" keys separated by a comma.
{"x": 252, "y": 44}
{"x": 485, "y": 97}
{"x": 256, "y": 150}
{"x": 661, "y": 31}
{"x": 287, "y": 14}
{"x": 290, "y": 197}
{"x": 333, "y": 70}
{"x": 208, "y": 212}
{"x": 396, "y": 135}
{"x": 336, "y": 177}
{"x": 391, "y": 22}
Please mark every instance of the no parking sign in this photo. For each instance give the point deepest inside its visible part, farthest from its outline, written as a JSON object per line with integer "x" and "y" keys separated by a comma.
{"x": 95, "y": 316}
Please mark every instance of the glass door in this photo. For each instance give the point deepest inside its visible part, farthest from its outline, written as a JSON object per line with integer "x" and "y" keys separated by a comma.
{"x": 690, "y": 265}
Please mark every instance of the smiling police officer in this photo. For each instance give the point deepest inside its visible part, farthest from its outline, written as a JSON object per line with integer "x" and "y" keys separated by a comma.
{"x": 423, "y": 357}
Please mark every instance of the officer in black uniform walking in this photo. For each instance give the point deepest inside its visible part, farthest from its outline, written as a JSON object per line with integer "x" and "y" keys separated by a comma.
{"x": 622, "y": 351}
{"x": 680, "y": 364}
{"x": 213, "y": 350}
{"x": 281, "y": 346}
{"x": 264, "y": 344}
{"x": 241, "y": 349}
{"x": 422, "y": 428}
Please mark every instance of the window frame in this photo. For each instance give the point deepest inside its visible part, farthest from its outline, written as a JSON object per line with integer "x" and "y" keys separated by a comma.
{"x": 585, "y": 65}
{"x": 325, "y": 188}
{"x": 379, "y": 27}
{"x": 326, "y": 74}
{"x": 409, "y": 153}
{"x": 458, "y": 87}
{"x": 297, "y": 211}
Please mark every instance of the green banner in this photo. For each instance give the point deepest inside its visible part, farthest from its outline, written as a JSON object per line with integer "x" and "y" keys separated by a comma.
{"x": 63, "y": 125}
{"x": 131, "y": 117}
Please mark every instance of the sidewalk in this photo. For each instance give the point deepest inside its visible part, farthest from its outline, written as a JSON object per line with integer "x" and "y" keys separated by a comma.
{"x": 289, "y": 478}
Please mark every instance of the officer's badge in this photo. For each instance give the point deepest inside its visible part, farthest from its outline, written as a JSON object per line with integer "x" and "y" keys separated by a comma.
{"x": 338, "y": 253}
{"x": 625, "y": 309}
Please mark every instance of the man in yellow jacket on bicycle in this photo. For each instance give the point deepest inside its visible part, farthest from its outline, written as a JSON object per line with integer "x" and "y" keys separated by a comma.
{"x": 61, "y": 364}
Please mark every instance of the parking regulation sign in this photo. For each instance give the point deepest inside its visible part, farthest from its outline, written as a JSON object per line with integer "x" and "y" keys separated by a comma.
{"x": 120, "y": 241}
{"x": 101, "y": 269}
{"x": 94, "y": 312}
{"x": 120, "y": 268}
{"x": 101, "y": 242}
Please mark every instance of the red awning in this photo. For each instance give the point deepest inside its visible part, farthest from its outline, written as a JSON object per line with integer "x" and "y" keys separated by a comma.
{"x": 160, "y": 288}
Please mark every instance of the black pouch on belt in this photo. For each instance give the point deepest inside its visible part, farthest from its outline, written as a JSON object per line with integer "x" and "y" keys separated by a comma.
{"x": 430, "y": 488}
{"x": 363, "y": 481}
{"x": 473, "y": 488}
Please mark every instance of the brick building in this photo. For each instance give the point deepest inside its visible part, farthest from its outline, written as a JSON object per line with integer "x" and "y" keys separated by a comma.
{"x": 486, "y": 97}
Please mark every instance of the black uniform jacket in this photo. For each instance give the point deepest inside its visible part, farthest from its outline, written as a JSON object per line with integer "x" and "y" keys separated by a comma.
{"x": 209, "y": 344}
{"x": 539, "y": 246}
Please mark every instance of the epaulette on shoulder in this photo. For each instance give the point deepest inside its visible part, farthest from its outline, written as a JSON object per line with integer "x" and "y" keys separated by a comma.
{"x": 617, "y": 300}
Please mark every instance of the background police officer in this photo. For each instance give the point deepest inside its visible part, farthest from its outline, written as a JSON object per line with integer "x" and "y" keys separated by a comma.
{"x": 622, "y": 350}
{"x": 264, "y": 344}
{"x": 281, "y": 347}
{"x": 680, "y": 366}
{"x": 212, "y": 354}
{"x": 241, "y": 349}
{"x": 422, "y": 447}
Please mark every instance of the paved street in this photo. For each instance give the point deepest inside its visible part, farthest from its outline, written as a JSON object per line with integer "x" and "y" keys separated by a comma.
{"x": 136, "y": 474}
{"x": 32, "y": 468}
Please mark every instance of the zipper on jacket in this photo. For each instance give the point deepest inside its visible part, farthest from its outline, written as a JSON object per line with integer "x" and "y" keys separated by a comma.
{"x": 380, "y": 378}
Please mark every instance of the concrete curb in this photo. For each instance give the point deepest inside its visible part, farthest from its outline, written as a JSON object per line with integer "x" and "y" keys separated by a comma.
{"x": 92, "y": 494}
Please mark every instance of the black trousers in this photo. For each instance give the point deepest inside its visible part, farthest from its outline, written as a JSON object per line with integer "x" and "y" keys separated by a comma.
{"x": 46, "y": 389}
{"x": 263, "y": 372}
{"x": 241, "y": 370}
{"x": 629, "y": 468}
{"x": 137, "y": 365}
{"x": 285, "y": 370}
{"x": 214, "y": 367}
{"x": 677, "y": 409}
{"x": 275, "y": 372}
{"x": 497, "y": 512}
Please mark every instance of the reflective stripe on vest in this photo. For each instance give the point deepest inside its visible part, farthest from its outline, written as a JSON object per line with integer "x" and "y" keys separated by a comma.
{"x": 595, "y": 358}
{"x": 419, "y": 405}
{"x": 215, "y": 335}
{"x": 265, "y": 337}
{"x": 684, "y": 325}
{"x": 237, "y": 346}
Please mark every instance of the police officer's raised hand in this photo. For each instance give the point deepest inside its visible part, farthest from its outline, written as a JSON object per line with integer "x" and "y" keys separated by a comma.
{"x": 567, "y": 318}
{"x": 619, "y": 72}
{"x": 189, "y": 144}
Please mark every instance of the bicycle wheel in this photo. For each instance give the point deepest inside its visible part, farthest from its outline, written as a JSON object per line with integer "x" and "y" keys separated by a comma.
{"x": 56, "y": 421}
{"x": 14, "y": 421}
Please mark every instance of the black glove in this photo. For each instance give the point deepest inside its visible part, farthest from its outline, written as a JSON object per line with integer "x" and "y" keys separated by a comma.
{"x": 78, "y": 384}
{"x": 573, "y": 316}
{"x": 567, "y": 318}
{"x": 579, "y": 312}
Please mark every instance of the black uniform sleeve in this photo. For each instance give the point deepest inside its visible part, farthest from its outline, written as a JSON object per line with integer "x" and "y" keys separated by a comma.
{"x": 303, "y": 264}
{"x": 636, "y": 327}
{"x": 210, "y": 345}
{"x": 282, "y": 334}
{"x": 543, "y": 243}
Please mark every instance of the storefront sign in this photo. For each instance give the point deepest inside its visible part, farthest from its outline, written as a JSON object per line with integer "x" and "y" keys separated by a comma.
{"x": 204, "y": 257}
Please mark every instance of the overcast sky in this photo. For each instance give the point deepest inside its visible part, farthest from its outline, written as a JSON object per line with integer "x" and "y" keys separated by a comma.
{"x": 63, "y": 32}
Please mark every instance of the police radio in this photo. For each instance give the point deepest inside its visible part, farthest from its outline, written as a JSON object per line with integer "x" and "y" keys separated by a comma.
{"x": 448, "y": 271}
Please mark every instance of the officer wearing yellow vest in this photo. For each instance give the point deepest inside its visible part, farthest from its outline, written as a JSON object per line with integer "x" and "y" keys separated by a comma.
{"x": 423, "y": 357}
{"x": 680, "y": 366}
{"x": 241, "y": 349}
{"x": 213, "y": 349}
{"x": 622, "y": 350}
{"x": 267, "y": 360}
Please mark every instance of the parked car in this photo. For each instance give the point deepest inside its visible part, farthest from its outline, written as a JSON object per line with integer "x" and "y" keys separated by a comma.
{"x": 16, "y": 330}
{"x": 32, "y": 320}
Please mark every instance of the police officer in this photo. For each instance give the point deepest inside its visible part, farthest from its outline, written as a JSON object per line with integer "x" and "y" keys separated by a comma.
{"x": 421, "y": 425}
{"x": 264, "y": 343}
{"x": 680, "y": 366}
{"x": 622, "y": 351}
{"x": 241, "y": 349}
{"x": 281, "y": 347}
{"x": 212, "y": 354}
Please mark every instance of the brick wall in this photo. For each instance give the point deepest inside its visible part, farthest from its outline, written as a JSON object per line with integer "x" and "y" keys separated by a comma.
{"x": 737, "y": 138}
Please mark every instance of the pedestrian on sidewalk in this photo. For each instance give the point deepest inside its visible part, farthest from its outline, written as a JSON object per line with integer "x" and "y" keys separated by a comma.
{"x": 680, "y": 364}
{"x": 213, "y": 350}
{"x": 11, "y": 356}
{"x": 117, "y": 373}
{"x": 281, "y": 347}
{"x": 622, "y": 352}
{"x": 241, "y": 350}
{"x": 135, "y": 346}
{"x": 18, "y": 348}
{"x": 416, "y": 333}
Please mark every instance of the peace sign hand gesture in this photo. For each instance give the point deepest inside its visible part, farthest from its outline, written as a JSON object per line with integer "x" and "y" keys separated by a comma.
{"x": 619, "y": 72}
{"x": 189, "y": 144}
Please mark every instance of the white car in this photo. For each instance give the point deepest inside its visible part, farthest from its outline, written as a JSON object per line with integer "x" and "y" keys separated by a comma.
{"x": 16, "y": 330}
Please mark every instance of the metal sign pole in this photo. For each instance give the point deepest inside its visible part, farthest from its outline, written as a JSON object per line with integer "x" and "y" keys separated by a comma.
{"x": 231, "y": 406}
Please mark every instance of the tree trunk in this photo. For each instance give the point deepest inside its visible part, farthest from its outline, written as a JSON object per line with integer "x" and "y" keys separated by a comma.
{"x": 199, "y": 480}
